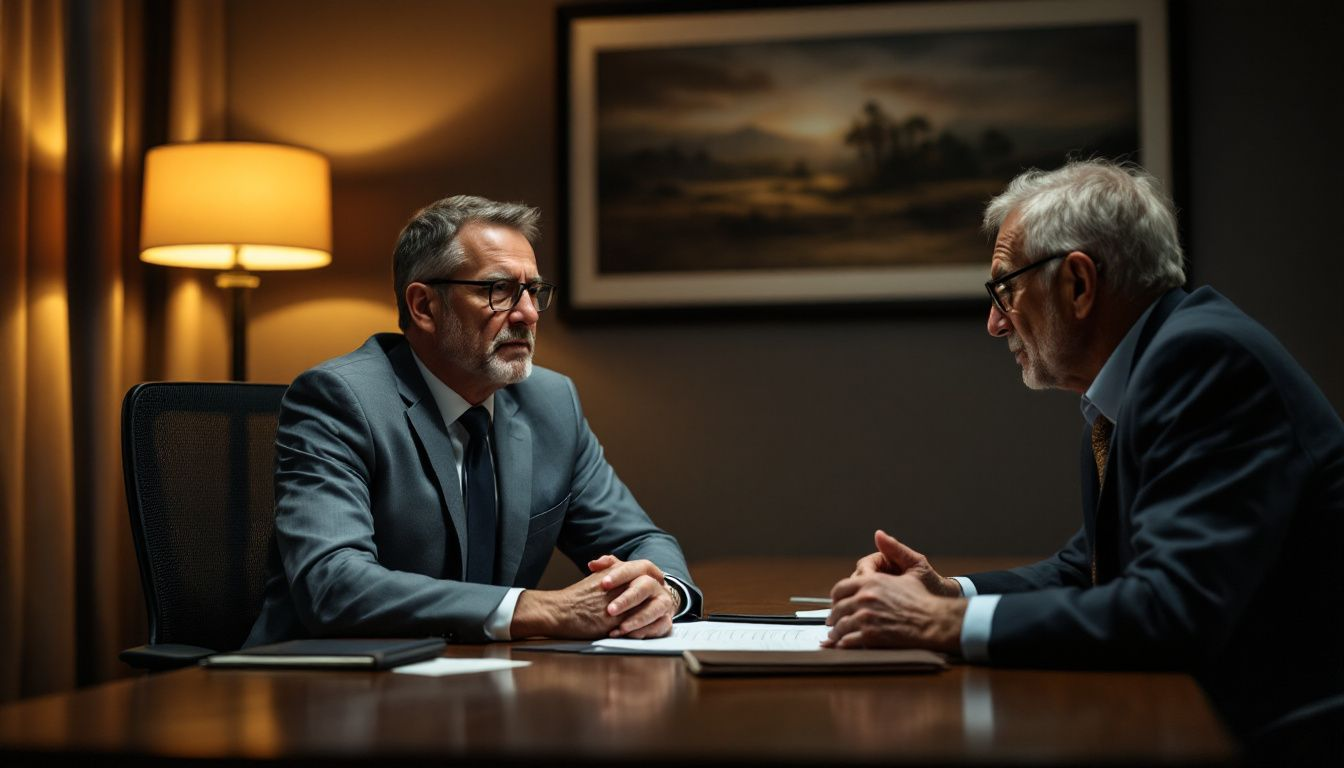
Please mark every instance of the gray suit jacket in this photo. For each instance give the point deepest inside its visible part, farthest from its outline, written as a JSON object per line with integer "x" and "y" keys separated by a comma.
{"x": 370, "y": 527}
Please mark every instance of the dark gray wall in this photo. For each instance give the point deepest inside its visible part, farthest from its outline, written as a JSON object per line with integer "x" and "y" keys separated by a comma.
{"x": 1265, "y": 170}
{"x": 802, "y": 437}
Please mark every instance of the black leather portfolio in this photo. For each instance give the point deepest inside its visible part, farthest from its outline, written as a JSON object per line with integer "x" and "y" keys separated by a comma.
{"x": 337, "y": 653}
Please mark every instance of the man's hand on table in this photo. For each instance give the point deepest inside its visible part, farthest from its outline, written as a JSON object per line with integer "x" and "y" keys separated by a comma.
{"x": 895, "y": 558}
{"x": 618, "y": 599}
{"x": 895, "y": 599}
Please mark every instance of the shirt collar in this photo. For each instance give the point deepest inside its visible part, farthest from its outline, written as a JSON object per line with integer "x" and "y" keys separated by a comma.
{"x": 1107, "y": 392}
{"x": 451, "y": 405}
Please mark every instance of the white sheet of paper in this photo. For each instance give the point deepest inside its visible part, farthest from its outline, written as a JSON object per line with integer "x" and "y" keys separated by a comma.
{"x": 729, "y": 636}
{"x": 820, "y": 613}
{"x": 442, "y": 666}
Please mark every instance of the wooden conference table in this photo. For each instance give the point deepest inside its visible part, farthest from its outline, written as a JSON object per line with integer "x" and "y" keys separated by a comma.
{"x": 567, "y": 708}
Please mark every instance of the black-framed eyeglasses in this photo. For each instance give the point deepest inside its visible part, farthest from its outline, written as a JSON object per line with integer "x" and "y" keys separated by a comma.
{"x": 505, "y": 294}
{"x": 1001, "y": 288}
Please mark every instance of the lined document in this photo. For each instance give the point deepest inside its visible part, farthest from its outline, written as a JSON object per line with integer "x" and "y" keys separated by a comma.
{"x": 728, "y": 636}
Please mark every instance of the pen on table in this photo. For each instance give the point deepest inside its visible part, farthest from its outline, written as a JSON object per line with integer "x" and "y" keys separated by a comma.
{"x": 810, "y": 600}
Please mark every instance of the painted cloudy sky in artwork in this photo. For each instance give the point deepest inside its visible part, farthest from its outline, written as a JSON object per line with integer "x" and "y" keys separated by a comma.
{"x": 1043, "y": 88}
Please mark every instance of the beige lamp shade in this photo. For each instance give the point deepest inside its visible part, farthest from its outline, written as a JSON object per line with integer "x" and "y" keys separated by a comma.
{"x": 236, "y": 205}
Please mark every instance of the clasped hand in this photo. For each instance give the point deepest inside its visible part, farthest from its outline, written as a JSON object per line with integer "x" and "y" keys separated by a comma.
{"x": 617, "y": 599}
{"x": 895, "y": 599}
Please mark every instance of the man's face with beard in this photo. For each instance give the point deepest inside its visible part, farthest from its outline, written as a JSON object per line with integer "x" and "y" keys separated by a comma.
{"x": 484, "y": 349}
{"x": 1037, "y": 334}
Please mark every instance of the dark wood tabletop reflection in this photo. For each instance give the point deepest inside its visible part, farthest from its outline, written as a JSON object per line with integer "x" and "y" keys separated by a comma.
{"x": 594, "y": 709}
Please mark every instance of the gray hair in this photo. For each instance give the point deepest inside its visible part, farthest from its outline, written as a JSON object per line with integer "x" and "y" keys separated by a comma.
{"x": 428, "y": 245}
{"x": 1115, "y": 212}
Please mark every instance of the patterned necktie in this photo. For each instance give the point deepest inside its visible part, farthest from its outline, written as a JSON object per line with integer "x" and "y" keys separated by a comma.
{"x": 1101, "y": 449}
{"x": 1101, "y": 445}
{"x": 479, "y": 472}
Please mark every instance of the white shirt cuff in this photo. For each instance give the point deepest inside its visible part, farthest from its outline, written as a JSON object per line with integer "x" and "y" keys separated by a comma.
{"x": 967, "y": 586}
{"x": 975, "y": 626}
{"x": 497, "y": 626}
{"x": 685, "y": 595}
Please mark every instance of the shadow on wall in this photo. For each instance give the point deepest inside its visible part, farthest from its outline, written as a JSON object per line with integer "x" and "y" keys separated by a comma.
{"x": 384, "y": 85}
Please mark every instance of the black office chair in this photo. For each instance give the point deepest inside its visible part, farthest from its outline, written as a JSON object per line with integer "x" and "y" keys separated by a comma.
{"x": 199, "y": 464}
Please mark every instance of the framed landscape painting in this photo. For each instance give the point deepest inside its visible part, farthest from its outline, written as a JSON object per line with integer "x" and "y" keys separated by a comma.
{"x": 830, "y": 156}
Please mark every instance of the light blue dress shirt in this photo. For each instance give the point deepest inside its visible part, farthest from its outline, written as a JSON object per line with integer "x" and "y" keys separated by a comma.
{"x": 1103, "y": 398}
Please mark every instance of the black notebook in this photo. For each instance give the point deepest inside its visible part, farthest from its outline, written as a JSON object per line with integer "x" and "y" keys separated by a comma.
{"x": 335, "y": 653}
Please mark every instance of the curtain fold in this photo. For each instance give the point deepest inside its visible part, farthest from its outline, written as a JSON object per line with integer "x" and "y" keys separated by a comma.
{"x": 72, "y": 133}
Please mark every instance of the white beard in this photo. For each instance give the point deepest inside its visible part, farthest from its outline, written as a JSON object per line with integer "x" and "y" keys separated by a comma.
{"x": 1054, "y": 349}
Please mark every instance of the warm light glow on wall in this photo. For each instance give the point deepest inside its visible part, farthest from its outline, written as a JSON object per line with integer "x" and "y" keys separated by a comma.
{"x": 225, "y": 205}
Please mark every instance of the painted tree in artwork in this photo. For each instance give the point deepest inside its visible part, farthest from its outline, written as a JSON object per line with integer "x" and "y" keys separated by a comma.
{"x": 871, "y": 135}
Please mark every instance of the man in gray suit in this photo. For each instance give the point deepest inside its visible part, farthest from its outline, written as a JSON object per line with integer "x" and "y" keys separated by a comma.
{"x": 423, "y": 480}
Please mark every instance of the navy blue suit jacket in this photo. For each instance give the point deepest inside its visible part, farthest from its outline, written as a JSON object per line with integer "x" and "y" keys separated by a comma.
{"x": 1224, "y": 504}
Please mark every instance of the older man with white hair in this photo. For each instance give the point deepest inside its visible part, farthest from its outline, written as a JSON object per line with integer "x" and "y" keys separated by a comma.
{"x": 1212, "y": 469}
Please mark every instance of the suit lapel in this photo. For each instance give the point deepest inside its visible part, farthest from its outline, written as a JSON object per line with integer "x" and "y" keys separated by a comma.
{"x": 1104, "y": 497}
{"x": 513, "y": 452}
{"x": 426, "y": 423}
{"x": 1100, "y": 495}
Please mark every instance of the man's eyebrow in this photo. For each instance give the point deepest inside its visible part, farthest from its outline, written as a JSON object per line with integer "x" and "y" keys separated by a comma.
{"x": 510, "y": 276}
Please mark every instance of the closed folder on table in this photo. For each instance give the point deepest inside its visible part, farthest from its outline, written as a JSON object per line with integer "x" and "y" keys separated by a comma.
{"x": 334, "y": 653}
{"x": 822, "y": 662}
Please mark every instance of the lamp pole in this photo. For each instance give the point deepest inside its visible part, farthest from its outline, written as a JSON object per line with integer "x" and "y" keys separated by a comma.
{"x": 239, "y": 283}
{"x": 204, "y": 202}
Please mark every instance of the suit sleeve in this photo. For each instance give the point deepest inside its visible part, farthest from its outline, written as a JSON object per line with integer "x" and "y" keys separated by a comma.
{"x": 325, "y": 461}
{"x": 604, "y": 518}
{"x": 1211, "y": 462}
{"x": 1069, "y": 567}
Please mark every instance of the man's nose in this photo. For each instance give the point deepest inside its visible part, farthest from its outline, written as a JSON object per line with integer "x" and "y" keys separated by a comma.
{"x": 525, "y": 311}
{"x": 999, "y": 324}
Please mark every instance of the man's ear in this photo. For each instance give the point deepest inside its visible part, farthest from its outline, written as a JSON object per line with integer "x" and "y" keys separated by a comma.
{"x": 419, "y": 302}
{"x": 1080, "y": 283}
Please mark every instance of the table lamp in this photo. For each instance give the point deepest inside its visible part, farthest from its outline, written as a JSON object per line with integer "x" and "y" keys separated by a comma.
{"x": 239, "y": 207}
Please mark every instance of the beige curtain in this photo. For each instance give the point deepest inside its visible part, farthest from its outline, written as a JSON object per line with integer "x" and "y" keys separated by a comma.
{"x": 73, "y": 131}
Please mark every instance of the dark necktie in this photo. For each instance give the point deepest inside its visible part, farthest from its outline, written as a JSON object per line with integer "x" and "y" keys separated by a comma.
{"x": 478, "y": 470}
{"x": 1101, "y": 448}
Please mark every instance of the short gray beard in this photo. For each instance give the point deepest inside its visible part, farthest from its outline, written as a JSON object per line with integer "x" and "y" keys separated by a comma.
{"x": 457, "y": 345}
{"x": 505, "y": 372}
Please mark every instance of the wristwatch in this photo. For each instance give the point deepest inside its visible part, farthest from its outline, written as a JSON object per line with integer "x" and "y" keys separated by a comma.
{"x": 676, "y": 597}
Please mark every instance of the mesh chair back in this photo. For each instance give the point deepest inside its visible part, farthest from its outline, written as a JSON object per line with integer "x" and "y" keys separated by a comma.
{"x": 199, "y": 463}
